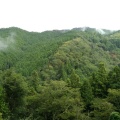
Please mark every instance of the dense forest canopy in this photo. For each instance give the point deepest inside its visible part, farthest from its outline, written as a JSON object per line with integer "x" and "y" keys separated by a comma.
{"x": 60, "y": 74}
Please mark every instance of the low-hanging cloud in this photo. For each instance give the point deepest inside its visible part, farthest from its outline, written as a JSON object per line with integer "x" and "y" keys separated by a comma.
{"x": 3, "y": 45}
{"x": 6, "y": 42}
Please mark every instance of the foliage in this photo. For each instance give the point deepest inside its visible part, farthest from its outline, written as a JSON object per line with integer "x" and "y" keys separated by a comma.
{"x": 114, "y": 97}
{"x": 15, "y": 91}
{"x": 99, "y": 82}
{"x": 101, "y": 109}
{"x": 115, "y": 116}
{"x": 74, "y": 80}
{"x": 86, "y": 92}
{"x": 4, "y": 110}
{"x": 114, "y": 78}
{"x": 59, "y": 75}
{"x": 56, "y": 101}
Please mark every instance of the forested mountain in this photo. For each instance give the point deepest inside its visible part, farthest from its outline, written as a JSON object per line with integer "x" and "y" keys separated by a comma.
{"x": 82, "y": 50}
{"x": 60, "y": 74}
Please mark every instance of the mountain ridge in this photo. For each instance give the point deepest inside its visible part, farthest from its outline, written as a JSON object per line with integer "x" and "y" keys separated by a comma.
{"x": 34, "y": 51}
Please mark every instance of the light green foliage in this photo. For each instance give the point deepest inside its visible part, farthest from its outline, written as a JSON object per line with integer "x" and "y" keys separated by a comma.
{"x": 56, "y": 101}
{"x": 82, "y": 54}
{"x": 74, "y": 80}
{"x": 101, "y": 109}
{"x": 114, "y": 116}
{"x": 35, "y": 80}
{"x": 63, "y": 73}
{"x": 1, "y": 116}
{"x": 114, "y": 97}
{"x": 99, "y": 82}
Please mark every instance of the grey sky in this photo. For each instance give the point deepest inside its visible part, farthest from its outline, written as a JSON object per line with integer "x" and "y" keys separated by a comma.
{"x": 41, "y": 15}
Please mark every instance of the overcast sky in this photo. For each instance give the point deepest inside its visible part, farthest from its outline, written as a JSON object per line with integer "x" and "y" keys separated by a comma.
{"x": 41, "y": 15}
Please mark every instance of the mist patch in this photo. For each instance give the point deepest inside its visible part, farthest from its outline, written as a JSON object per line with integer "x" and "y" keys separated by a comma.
{"x": 6, "y": 42}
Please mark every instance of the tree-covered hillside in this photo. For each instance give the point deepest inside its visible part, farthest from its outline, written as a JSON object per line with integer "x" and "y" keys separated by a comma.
{"x": 82, "y": 50}
{"x": 29, "y": 51}
{"x": 60, "y": 74}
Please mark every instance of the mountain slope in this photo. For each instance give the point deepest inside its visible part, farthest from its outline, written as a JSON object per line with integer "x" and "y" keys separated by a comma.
{"x": 80, "y": 54}
{"x": 53, "y": 53}
{"x": 30, "y": 50}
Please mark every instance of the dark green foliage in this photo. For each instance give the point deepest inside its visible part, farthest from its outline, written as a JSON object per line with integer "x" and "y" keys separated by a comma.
{"x": 4, "y": 110}
{"x": 15, "y": 91}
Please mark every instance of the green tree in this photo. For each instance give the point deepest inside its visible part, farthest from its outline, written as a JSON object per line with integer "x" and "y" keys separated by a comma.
{"x": 63, "y": 72}
{"x": 86, "y": 92}
{"x": 1, "y": 116}
{"x": 114, "y": 97}
{"x": 101, "y": 109}
{"x": 99, "y": 82}
{"x": 74, "y": 80}
{"x": 114, "y": 116}
{"x": 114, "y": 78}
{"x": 56, "y": 101}
{"x": 35, "y": 80}
{"x": 15, "y": 91}
{"x": 4, "y": 110}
